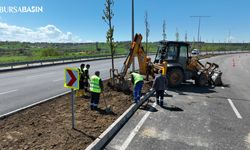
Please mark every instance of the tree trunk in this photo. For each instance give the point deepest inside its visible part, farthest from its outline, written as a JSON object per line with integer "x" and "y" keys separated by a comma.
{"x": 111, "y": 46}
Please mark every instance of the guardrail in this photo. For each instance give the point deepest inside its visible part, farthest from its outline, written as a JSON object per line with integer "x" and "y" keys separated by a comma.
{"x": 219, "y": 52}
{"x": 224, "y": 52}
{"x": 48, "y": 62}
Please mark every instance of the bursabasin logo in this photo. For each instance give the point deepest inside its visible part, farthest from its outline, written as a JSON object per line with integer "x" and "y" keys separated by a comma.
{"x": 21, "y": 9}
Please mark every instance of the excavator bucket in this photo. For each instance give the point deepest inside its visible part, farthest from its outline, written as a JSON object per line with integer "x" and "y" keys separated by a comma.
{"x": 208, "y": 73}
{"x": 118, "y": 82}
{"x": 214, "y": 73}
{"x": 216, "y": 78}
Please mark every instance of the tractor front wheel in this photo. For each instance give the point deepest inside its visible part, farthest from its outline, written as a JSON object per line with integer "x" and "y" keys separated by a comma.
{"x": 175, "y": 77}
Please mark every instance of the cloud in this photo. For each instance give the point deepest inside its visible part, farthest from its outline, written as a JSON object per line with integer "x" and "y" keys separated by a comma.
{"x": 49, "y": 33}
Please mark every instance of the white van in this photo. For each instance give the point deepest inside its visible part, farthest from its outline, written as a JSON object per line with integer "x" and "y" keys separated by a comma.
{"x": 195, "y": 52}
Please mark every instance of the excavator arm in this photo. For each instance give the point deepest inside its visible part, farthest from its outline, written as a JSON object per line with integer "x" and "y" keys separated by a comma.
{"x": 146, "y": 67}
{"x": 136, "y": 50}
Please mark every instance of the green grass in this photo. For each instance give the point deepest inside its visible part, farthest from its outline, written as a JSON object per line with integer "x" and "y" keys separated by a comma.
{"x": 19, "y": 52}
{"x": 10, "y": 59}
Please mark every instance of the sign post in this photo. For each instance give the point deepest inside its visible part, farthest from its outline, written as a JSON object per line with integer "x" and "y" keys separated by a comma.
{"x": 71, "y": 80}
{"x": 72, "y": 108}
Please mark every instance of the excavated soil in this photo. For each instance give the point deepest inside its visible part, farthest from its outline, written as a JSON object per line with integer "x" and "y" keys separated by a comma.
{"x": 48, "y": 125}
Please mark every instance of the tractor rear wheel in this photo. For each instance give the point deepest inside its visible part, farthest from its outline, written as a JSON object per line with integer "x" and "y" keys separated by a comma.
{"x": 175, "y": 77}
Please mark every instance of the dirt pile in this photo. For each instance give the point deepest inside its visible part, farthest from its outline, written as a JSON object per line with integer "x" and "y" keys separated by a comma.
{"x": 48, "y": 126}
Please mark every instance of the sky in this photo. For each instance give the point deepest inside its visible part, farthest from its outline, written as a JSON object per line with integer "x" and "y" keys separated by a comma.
{"x": 81, "y": 20}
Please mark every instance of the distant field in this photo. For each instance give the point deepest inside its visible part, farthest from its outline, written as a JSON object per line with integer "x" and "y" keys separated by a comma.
{"x": 23, "y": 51}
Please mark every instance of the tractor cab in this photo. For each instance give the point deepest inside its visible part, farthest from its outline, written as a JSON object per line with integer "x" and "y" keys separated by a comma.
{"x": 175, "y": 53}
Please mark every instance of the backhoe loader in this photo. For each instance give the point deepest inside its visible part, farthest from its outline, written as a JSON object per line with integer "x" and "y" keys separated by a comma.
{"x": 174, "y": 61}
{"x": 182, "y": 67}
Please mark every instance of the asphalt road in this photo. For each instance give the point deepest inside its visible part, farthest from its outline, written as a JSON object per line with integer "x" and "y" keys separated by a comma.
{"x": 22, "y": 88}
{"x": 193, "y": 117}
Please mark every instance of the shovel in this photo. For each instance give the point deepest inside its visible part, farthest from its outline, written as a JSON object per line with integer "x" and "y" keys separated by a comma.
{"x": 108, "y": 107}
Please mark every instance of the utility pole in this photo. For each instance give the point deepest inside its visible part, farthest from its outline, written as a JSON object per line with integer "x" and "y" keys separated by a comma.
{"x": 177, "y": 35}
{"x": 133, "y": 63}
{"x": 132, "y": 20}
{"x": 229, "y": 37}
{"x": 147, "y": 30}
{"x": 199, "y": 25}
{"x": 164, "y": 31}
{"x": 186, "y": 37}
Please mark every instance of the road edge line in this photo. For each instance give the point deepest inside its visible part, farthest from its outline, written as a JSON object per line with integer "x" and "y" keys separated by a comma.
{"x": 10, "y": 91}
{"x": 109, "y": 133}
{"x": 136, "y": 129}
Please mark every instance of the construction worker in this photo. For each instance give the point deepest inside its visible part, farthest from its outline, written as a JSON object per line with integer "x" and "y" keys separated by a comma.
{"x": 137, "y": 81}
{"x": 149, "y": 70}
{"x": 160, "y": 85}
{"x": 79, "y": 92}
{"x": 86, "y": 78}
{"x": 96, "y": 87}
{"x": 163, "y": 64}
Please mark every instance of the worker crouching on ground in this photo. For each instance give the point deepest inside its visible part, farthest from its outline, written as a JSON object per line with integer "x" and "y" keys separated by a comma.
{"x": 160, "y": 85}
{"x": 80, "y": 92}
{"x": 96, "y": 87}
{"x": 137, "y": 81}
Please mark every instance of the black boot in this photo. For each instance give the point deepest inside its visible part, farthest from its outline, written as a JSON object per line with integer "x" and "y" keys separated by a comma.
{"x": 161, "y": 103}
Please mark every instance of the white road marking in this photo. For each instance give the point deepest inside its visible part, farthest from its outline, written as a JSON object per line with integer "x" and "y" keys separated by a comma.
{"x": 135, "y": 130}
{"x": 36, "y": 103}
{"x": 222, "y": 87}
{"x": 234, "y": 109}
{"x": 57, "y": 80}
{"x": 8, "y": 92}
{"x": 247, "y": 140}
{"x": 34, "y": 76}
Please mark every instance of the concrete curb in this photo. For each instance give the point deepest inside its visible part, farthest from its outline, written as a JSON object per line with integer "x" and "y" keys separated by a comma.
{"x": 32, "y": 105}
{"x": 106, "y": 136}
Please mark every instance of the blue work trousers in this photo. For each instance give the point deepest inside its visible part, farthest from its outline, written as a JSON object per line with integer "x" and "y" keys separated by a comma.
{"x": 137, "y": 91}
{"x": 95, "y": 97}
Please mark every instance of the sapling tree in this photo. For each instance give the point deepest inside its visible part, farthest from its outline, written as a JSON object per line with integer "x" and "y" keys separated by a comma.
{"x": 107, "y": 17}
